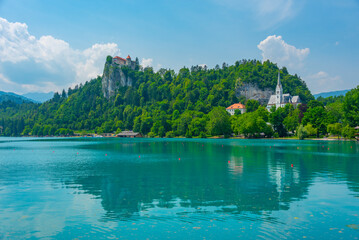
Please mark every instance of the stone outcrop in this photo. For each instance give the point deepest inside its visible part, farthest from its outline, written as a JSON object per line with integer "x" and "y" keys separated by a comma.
{"x": 252, "y": 91}
{"x": 114, "y": 76}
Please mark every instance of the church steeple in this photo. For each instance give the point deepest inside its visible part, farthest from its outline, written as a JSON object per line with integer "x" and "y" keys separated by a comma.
{"x": 278, "y": 91}
{"x": 279, "y": 83}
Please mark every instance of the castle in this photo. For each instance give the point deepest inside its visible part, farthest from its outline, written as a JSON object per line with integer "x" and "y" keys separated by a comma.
{"x": 280, "y": 100}
{"x": 124, "y": 62}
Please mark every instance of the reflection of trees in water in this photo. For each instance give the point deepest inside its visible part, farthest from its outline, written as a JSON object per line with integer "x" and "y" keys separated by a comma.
{"x": 230, "y": 179}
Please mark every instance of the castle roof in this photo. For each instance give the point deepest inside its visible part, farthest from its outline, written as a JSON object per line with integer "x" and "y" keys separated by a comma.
{"x": 236, "y": 106}
{"x": 117, "y": 57}
{"x": 128, "y": 57}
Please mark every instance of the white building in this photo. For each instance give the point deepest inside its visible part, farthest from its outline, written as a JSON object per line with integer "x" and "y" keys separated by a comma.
{"x": 280, "y": 100}
{"x": 231, "y": 109}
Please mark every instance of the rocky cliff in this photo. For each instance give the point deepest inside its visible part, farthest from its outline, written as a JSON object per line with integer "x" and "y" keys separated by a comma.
{"x": 252, "y": 91}
{"x": 114, "y": 76}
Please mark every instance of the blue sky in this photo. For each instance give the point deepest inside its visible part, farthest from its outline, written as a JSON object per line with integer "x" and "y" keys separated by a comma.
{"x": 50, "y": 45}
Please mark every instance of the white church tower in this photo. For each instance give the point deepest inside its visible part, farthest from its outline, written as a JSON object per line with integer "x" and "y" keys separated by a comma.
{"x": 278, "y": 92}
{"x": 279, "y": 99}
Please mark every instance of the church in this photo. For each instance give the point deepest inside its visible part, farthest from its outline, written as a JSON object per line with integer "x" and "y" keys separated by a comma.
{"x": 280, "y": 100}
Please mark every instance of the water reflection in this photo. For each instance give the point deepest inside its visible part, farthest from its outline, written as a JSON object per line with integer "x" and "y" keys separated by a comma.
{"x": 226, "y": 176}
{"x": 98, "y": 185}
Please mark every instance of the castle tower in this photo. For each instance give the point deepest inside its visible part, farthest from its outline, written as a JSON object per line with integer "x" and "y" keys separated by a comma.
{"x": 278, "y": 92}
{"x": 128, "y": 61}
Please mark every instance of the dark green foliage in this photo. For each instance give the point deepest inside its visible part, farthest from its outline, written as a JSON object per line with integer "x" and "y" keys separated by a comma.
{"x": 219, "y": 123}
{"x": 109, "y": 59}
{"x": 276, "y": 118}
{"x": 291, "y": 121}
{"x": 301, "y": 132}
{"x": 351, "y": 107}
{"x": 190, "y": 104}
{"x": 330, "y": 99}
{"x": 348, "y": 132}
{"x": 237, "y": 112}
{"x": 335, "y": 129}
{"x": 253, "y": 124}
{"x": 252, "y": 105}
{"x": 316, "y": 116}
{"x": 315, "y": 103}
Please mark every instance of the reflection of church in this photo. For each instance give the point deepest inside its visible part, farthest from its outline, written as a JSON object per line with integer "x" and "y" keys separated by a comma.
{"x": 137, "y": 189}
{"x": 280, "y": 100}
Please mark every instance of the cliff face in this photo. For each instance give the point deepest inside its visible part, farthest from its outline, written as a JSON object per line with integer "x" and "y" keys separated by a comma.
{"x": 252, "y": 91}
{"x": 113, "y": 77}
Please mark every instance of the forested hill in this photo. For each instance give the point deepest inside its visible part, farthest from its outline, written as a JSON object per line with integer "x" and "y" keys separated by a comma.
{"x": 156, "y": 103}
{"x": 12, "y": 97}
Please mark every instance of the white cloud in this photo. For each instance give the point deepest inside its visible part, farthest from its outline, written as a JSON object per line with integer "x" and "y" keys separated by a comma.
{"x": 323, "y": 82}
{"x": 4, "y": 79}
{"x": 158, "y": 67}
{"x": 146, "y": 62}
{"x": 10, "y": 86}
{"x": 277, "y": 50}
{"x": 55, "y": 56}
{"x": 267, "y": 13}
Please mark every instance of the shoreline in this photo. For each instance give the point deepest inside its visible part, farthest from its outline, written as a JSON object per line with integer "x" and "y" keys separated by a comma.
{"x": 215, "y": 138}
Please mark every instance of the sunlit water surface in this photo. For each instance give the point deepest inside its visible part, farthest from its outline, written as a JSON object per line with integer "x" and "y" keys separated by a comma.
{"x": 178, "y": 188}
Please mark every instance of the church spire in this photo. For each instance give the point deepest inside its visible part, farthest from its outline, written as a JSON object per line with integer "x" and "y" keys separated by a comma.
{"x": 279, "y": 92}
{"x": 279, "y": 83}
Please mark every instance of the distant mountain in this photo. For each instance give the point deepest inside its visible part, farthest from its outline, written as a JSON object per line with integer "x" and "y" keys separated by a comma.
{"x": 39, "y": 97}
{"x": 9, "y": 96}
{"x": 331, "y": 94}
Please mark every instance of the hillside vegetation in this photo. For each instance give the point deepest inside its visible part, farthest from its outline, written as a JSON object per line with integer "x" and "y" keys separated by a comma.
{"x": 188, "y": 103}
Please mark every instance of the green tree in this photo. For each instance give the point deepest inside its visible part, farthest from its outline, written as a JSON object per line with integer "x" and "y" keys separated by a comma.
{"x": 291, "y": 121}
{"x": 276, "y": 119}
{"x": 26, "y": 131}
{"x": 146, "y": 124}
{"x": 315, "y": 103}
{"x": 178, "y": 102}
{"x": 348, "y": 132}
{"x": 301, "y": 132}
{"x": 335, "y": 112}
{"x": 237, "y": 112}
{"x": 252, "y": 105}
{"x": 335, "y": 129}
{"x": 351, "y": 107}
{"x": 252, "y": 124}
{"x": 310, "y": 130}
{"x": 219, "y": 122}
{"x": 317, "y": 117}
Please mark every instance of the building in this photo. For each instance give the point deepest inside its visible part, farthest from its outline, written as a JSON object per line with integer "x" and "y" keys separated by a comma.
{"x": 237, "y": 106}
{"x": 129, "y": 134}
{"x": 280, "y": 100}
{"x": 124, "y": 62}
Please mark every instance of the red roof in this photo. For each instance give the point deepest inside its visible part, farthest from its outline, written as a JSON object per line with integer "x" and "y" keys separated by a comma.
{"x": 128, "y": 56}
{"x": 117, "y": 57}
{"x": 236, "y": 106}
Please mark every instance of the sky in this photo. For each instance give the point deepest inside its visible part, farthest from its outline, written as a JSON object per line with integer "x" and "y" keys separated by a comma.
{"x": 52, "y": 45}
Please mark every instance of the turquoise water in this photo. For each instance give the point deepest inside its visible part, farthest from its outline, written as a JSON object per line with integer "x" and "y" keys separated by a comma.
{"x": 178, "y": 188}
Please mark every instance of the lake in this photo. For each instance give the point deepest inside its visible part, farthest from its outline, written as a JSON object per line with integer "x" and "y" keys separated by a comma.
{"x": 92, "y": 188}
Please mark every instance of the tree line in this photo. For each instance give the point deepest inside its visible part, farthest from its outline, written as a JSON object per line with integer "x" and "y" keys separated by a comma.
{"x": 190, "y": 103}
